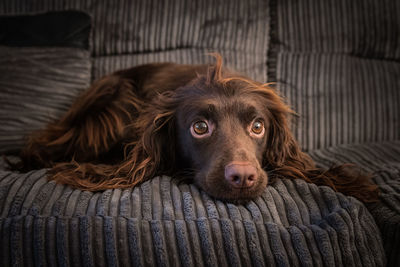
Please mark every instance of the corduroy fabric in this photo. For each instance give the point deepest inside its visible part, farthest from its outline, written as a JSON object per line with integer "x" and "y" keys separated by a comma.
{"x": 382, "y": 160}
{"x": 340, "y": 99}
{"x": 162, "y": 223}
{"x": 368, "y": 29}
{"x": 37, "y": 85}
{"x": 294, "y": 224}
{"x": 371, "y": 157}
{"x": 124, "y": 27}
{"x": 337, "y": 63}
{"x": 243, "y": 63}
{"x": 152, "y": 27}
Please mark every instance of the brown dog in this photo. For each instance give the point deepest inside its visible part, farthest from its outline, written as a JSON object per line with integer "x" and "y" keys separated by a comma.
{"x": 228, "y": 133}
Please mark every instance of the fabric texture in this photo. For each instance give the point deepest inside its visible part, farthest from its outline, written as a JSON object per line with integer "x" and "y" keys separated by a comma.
{"x": 341, "y": 99}
{"x": 44, "y": 65}
{"x": 382, "y": 160}
{"x": 337, "y": 64}
{"x": 161, "y": 223}
{"x": 37, "y": 85}
{"x": 152, "y": 31}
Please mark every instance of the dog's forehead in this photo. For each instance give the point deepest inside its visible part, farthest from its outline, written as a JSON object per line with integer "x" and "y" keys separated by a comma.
{"x": 219, "y": 106}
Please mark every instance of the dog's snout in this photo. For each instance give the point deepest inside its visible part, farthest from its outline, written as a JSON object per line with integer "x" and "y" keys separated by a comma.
{"x": 241, "y": 174}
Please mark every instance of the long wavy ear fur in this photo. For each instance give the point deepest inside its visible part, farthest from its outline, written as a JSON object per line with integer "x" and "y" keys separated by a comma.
{"x": 105, "y": 115}
{"x": 96, "y": 121}
{"x": 152, "y": 153}
{"x": 155, "y": 151}
{"x": 284, "y": 158}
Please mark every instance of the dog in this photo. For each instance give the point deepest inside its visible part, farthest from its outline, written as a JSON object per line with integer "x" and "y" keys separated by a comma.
{"x": 224, "y": 132}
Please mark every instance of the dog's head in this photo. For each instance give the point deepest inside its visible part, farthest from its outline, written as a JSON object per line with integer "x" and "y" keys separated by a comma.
{"x": 226, "y": 131}
{"x": 222, "y": 136}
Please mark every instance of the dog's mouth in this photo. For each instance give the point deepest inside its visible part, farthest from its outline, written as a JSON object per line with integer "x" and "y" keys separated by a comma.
{"x": 217, "y": 187}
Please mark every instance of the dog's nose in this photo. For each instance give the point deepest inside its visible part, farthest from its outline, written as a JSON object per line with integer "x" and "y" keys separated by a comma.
{"x": 241, "y": 174}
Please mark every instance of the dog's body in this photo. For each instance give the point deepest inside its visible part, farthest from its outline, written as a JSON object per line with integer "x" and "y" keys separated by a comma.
{"x": 228, "y": 133}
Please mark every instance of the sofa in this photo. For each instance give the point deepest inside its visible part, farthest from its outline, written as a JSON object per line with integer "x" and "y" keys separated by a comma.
{"x": 336, "y": 63}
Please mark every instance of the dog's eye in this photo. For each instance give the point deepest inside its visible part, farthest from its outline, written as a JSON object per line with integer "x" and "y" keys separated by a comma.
{"x": 257, "y": 127}
{"x": 200, "y": 127}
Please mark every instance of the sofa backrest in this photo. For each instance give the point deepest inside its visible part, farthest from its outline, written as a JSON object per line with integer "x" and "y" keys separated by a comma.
{"x": 338, "y": 64}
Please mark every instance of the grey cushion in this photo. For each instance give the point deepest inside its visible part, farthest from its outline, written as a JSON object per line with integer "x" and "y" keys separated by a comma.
{"x": 237, "y": 29}
{"x": 246, "y": 63}
{"x": 183, "y": 32}
{"x": 37, "y": 85}
{"x": 61, "y": 28}
{"x": 293, "y": 223}
{"x": 341, "y": 99}
{"x": 159, "y": 222}
{"x": 338, "y": 66}
{"x": 383, "y": 161}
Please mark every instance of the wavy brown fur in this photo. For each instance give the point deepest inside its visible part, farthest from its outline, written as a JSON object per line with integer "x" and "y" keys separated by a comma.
{"x": 122, "y": 131}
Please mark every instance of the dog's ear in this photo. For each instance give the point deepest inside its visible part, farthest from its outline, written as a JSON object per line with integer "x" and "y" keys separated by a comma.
{"x": 154, "y": 152}
{"x": 283, "y": 158}
{"x": 281, "y": 149}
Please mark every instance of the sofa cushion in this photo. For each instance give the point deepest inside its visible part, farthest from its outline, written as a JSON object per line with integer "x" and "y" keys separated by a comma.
{"x": 61, "y": 29}
{"x": 383, "y": 161}
{"x": 338, "y": 66}
{"x": 161, "y": 222}
{"x": 38, "y": 83}
{"x": 37, "y": 86}
{"x": 361, "y": 28}
{"x": 341, "y": 99}
{"x": 129, "y": 33}
{"x": 182, "y": 32}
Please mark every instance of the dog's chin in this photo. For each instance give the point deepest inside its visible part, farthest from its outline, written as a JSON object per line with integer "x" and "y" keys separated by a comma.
{"x": 221, "y": 190}
{"x": 241, "y": 197}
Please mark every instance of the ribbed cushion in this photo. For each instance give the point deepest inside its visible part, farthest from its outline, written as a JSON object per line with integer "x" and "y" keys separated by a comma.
{"x": 337, "y": 64}
{"x": 126, "y": 27}
{"x": 383, "y": 161}
{"x": 340, "y": 99}
{"x": 245, "y": 63}
{"x": 160, "y": 222}
{"x": 37, "y": 85}
{"x": 360, "y": 28}
{"x": 371, "y": 157}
